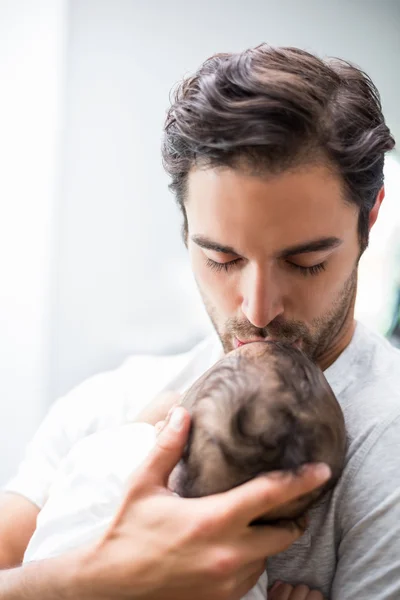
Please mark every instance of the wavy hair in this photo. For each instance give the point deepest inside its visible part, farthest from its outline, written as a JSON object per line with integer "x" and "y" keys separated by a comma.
{"x": 271, "y": 109}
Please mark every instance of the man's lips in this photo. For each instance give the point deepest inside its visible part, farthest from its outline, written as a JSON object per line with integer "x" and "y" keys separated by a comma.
{"x": 238, "y": 343}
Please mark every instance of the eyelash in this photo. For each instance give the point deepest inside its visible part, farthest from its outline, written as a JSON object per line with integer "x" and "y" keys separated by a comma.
{"x": 313, "y": 270}
{"x": 228, "y": 266}
{"x": 218, "y": 267}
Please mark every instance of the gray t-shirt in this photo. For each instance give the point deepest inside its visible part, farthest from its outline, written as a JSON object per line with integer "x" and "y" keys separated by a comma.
{"x": 351, "y": 550}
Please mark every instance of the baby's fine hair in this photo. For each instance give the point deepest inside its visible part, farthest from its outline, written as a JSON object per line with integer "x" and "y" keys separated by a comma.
{"x": 264, "y": 409}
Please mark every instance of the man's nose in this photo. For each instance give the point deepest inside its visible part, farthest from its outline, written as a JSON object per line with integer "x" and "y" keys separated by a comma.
{"x": 262, "y": 299}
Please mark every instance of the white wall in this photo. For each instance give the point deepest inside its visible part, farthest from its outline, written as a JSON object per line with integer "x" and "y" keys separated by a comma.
{"x": 31, "y": 59}
{"x": 123, "y": 280}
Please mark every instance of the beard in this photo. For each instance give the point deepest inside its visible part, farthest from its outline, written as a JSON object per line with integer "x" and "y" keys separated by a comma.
{"x": 315, "y": 339}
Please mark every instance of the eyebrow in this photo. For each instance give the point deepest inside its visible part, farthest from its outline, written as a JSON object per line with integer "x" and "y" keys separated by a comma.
{"x": 207, "y": 244}
{"x": 326, "y": 243}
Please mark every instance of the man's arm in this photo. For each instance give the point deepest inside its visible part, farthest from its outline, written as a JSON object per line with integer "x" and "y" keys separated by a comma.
{"x": 369, "y": 552}
{"x": 47, "y": 580}
{"x": 17, "y": 524}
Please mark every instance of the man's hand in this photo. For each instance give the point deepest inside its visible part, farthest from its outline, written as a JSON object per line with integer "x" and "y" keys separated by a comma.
{"x": 160, "y": 546}
{"x": 284, "y": 591}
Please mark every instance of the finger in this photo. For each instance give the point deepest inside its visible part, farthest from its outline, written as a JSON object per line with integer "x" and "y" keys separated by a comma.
{"x": 157, "y": 467}
{"x": 251, "y": 500}
{"x": 300, "y": 592}
{"x": 158, "y": 408}
{"x": 282, "y": 592}
{"x": 159, "y": 426}
{"x": 275, "y": 586}
{"x": 245, "y": 585}
{"x": 171, "y": 410}
{"x": 315, "y": 595}
{"x": 267, "y": 540}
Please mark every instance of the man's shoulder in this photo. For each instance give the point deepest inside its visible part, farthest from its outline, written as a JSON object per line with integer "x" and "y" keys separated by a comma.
{"x": 367, "y": 384}
{"x": 366, "y": 378}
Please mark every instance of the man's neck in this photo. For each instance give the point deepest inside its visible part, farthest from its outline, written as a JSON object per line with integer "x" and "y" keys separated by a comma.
{"x": 340, "y": 343}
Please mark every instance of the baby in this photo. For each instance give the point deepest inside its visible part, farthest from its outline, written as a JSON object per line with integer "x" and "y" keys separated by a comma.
{"x": 263, "y": 407}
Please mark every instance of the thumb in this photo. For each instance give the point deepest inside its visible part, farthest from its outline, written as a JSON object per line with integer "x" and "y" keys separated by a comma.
{"x": 171, "y": 441}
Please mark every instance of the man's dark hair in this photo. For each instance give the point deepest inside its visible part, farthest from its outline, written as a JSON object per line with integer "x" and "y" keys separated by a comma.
{"x": 255, "y": 414}
{"x": 269, "y": 109}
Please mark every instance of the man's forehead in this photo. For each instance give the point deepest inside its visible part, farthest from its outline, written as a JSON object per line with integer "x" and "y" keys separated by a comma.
{"x": 237, "y": 210}
{"x": 226, "y": 181}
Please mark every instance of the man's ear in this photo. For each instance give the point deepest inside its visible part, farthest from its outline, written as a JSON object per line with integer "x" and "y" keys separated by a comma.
{"x": 373, "y": 215}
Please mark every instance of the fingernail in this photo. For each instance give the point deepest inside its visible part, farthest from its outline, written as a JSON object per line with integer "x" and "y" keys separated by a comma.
{"x": 171, "y": 411}
{"x": 177, "y": 418}
{"x": 323, "y": 471}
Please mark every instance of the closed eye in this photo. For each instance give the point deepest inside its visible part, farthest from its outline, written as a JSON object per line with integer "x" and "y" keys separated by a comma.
{"x": 225, "y": 266}
{"x": 231, "y": 264}
{"x": 312, "y": 270}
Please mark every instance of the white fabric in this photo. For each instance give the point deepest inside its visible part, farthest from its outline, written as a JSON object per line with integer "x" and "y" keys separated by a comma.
{"x": 104, "y": 401}
{"x": 87, "y": 490}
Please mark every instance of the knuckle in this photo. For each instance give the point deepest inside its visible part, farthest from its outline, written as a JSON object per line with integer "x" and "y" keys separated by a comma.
{"x": 206, "y": 526}
{"x": 225, "y": 563}
{"x": 226, "y": 589}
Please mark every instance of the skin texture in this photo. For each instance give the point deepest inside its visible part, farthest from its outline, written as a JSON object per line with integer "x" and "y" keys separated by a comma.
{"x": 264, "y": 294}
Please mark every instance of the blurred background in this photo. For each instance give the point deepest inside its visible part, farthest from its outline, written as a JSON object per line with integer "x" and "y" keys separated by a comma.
{"x": 91, "y": 260}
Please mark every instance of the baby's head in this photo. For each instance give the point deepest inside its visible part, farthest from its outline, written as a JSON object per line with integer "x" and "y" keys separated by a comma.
{"x": 263, "y": 407}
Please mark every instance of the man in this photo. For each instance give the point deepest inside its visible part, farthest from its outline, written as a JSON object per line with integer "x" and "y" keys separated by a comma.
{"x": 276, "y": 160}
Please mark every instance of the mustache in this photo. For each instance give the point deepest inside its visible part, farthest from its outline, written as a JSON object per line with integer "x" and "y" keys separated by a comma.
{"x": 286, "y": 331}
